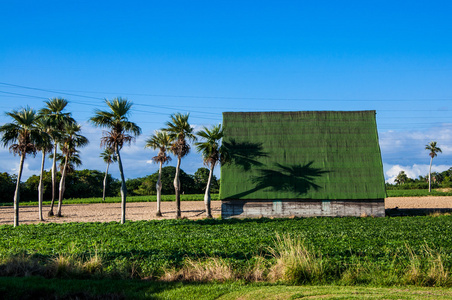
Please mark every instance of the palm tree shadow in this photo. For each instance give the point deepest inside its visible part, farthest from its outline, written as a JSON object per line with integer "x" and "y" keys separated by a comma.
{"x": 296, "y": 179}
{"x": 243, "y": 154}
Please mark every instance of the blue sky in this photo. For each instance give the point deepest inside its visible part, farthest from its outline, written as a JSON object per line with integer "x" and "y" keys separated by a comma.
{"x": 206, "y": 57}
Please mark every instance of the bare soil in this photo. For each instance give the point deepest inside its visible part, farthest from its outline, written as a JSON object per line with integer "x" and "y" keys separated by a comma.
{"x": 108, "y": 212}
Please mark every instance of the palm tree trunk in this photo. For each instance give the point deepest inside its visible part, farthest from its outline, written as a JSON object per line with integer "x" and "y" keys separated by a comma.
{"x": 177, "y": 188}
{"x": 53, "y": 178}
{"x": 62, "y": 186}
{"x": 105, "y": 183}
{"x": 41, "y": 186}
{"x": 17, "y": 191}
{"x": 430, "y": 176}
{"x": 159, "y": 191}
{"x": 207, "y": 198}
{"x": 123, "y": 188}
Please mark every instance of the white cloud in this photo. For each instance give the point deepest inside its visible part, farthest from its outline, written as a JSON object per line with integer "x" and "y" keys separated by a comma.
{"x": 407, "y": 148}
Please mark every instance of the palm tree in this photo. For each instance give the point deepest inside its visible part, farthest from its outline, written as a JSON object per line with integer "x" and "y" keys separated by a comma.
{"x": 212, "y": 154}
{"x": 108, "y": 157}
{"x": 22, "y": 135}
{"x": 161, "y": 140}
{"x": 57, "y": 120}
{"x": 433, "y": 150}
{"x": 401, "y": 178}
{"x": 68, "y": 144}
{"x": 45, "y": 146}
{"x": 122, "y": 131}
{"x": 179, "y": 130}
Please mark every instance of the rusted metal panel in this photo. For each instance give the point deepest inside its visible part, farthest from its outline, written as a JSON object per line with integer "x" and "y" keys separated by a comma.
{"x": 305, "y": 208}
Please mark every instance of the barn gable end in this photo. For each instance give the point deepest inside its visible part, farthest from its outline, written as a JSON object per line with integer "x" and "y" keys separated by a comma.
{"x": 302, "y": 163}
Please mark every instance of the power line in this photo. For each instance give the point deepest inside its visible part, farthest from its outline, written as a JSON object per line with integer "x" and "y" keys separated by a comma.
{"x": 226, "y": 97}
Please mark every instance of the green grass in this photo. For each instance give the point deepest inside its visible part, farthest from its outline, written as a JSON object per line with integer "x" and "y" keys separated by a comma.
{"x": 200, "y": 197}
{"x": 150, "y": 198}
{"x": 36, "y": 287}
{"x": 416, "y": 193}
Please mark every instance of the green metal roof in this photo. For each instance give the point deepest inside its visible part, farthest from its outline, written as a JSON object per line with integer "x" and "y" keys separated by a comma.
{"x": 302, "y": 155}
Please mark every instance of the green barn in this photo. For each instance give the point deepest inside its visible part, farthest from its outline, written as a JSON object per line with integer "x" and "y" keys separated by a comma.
{"x": 304, "y": 163}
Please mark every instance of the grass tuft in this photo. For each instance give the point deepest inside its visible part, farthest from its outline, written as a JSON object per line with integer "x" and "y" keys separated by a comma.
{"x": 21, "y": 265}
{"x": 295, "y": 262}
{"x": 427, "y": 269}
{"x": 211, "y": 269}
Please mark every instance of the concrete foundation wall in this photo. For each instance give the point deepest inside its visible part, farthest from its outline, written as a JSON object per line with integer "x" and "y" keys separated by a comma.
{"x": 304, "y": 208}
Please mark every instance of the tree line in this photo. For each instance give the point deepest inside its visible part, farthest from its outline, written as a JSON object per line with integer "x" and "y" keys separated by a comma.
{"x": 89, "y": 183}
{"x": 438, "y": 180}
{"x": 53, "y": 131}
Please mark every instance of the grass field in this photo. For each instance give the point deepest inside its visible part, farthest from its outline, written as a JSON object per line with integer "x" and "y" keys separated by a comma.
{"x": 416, "y": 193}
{"x": 35, "y": 287}
{"x": 150, "y": 198}
{"x": 200, "y": 197}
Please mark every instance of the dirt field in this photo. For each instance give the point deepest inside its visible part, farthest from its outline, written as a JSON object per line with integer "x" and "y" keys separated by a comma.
{"x": 190, "y": 209}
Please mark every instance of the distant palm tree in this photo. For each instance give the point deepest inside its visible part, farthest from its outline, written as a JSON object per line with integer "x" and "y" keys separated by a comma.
{"x": 45, "y": 146}
{"x": 122, "y": 131}
{"x": 22, "y": 135}
{"x": 401, "y": 178}
{"x": 433, "y": 150}
{"x": 68, "y": 144}
{"x": 212, "y": 154}
{"x": 57, "y": 120}
{"x": 161, "y": 140}
{"x": 108, "y": 157}
{"x": 179, "y": 130}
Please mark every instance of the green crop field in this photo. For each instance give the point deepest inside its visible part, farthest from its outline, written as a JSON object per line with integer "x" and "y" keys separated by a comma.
{"x": 378, "y": 251}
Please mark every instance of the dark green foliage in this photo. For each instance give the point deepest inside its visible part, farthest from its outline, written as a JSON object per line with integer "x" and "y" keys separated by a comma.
{"x": 89, "y": 183}
{"x": 439, "y": 180}
{"x": 79, "y": 184}
{"x": 302, "y": 155}
{"x": 132, "y": 185}
{"x": 7, "y": 187}
{"x": 148, "y": 183}
{"x": 201, "y": 177}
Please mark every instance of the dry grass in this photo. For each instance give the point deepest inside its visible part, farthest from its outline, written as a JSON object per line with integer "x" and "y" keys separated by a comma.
{"x": 295, "y": 262}
{"x": 211, "y": 269}
{"x": 438, "y": 214}
{"x": 427, "y": 269}
{"x": 21, "y": 265}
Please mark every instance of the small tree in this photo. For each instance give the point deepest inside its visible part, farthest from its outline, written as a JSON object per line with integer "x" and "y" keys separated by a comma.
{"x": 162, "y": 141}
{"x": 212, "y": 154}
{"x": 434, "y": 149}
{"x": 69, "y": 143}
{"x": 21, "y": 135}
{"x": 121, "y": 131}
{"x": 180, "y": 132}
{"x": 108, "y": 157}
{"x": 45, "y": 146}
{"x": 57, "y": 119}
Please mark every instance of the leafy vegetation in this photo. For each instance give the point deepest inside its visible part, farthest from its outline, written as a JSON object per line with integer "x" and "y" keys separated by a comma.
{"x": 350, "y": 251}
{"x": 88, "y": 184}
